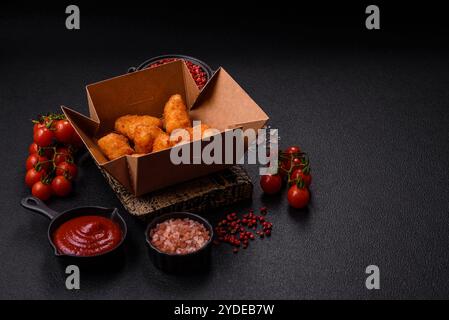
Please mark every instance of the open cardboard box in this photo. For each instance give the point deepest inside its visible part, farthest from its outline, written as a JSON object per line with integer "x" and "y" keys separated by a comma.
{"x": 222, "y": 104}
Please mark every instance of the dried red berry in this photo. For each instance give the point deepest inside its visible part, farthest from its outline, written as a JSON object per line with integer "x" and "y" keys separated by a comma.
{"x": 234, "y": 230}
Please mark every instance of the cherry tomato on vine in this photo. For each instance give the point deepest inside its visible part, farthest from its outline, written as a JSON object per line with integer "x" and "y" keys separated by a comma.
{"x": 48, "y": 152}
{"x": 293, "y": 163}
{"x": 32, "y": 176}
{"x": 285, "y": 165}
{"x": 63, "y": 154}
{"x": 61, "y": 186}
{"x": 271, "y": 184}
{"x": 67, "y": 169}
{"x": 298, "y": 197}
{"x": 38, "y": 126}
{"x": 41, "y": 190}
{"x": 64, "y": 131}
{"x": 43, "y": 137}
{"x": 33, "y": 148}
{"x": 292, "y": 149}
{"x": 34, "y": 159}
{"x": 299, "y": 174}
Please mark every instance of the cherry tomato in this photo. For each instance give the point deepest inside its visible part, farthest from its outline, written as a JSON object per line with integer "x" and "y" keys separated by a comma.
{"x": 298, "y": 197}
{"x": 292, "y": 149}
{"x": 41, "y": 190}
{"x": 34, "y": 159}
{"x": 33, "y": 148}
{"x": 295, "y": 163}
{"x": 271, "y": 184}
{"x": 285, "y": 166}
{"x": 61, "y": 186}
{"x": 48, "y": 152}
{"x": 63, "y": 154}
{"x": 64, "y": 131}
{"x": 298, "y": 173}
{"x": 43, "y": 137}
{"x": 32, "y": 176}
{"x": 67, "y": 169}
{"x": 38, "y": 126}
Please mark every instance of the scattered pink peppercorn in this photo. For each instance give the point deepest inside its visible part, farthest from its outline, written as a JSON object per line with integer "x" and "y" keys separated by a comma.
{"x": 235, "y": 230}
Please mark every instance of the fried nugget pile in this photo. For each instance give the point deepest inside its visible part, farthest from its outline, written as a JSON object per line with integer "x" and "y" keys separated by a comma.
{"x": 150, "y": 134}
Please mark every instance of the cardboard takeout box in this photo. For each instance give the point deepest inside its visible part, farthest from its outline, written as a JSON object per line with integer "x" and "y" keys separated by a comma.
{"x": 222, "y": 104}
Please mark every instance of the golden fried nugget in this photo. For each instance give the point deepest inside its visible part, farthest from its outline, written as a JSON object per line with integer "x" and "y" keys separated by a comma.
{"x": 193, "y": 132}
{"x": 180, "y": 135}
{"x": 114, "y": 146}
{"x": 161, "y": 142}
{"x": 126, "y": 125}
{"x": 144, "y": 138}
{"x": 176, "y": 114}
{"x": 185, "y": 135}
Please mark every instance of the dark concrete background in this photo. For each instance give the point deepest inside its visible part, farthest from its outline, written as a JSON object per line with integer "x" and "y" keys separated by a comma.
{"x": 371, "y": 109}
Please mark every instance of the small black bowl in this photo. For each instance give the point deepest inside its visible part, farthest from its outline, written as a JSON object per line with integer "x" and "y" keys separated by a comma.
{"x": 109, "y": 259}
{"x": 197, "y": 261}
{"x": 208, "y": 70}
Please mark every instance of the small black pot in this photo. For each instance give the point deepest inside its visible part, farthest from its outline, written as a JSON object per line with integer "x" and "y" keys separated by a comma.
{"x": 198, "y": 261}
{"x": 208, "y": 70}
{"x": 109, "y": 259}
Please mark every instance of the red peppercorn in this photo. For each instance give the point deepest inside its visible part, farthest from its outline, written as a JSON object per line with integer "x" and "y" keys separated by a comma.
{"x": 234, "y": 230}
{"x": 196, "y": 71}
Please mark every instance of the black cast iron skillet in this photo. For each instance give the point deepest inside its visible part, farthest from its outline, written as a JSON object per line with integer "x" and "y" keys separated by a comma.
{"x": 195, "y": 262}
{"x": 57, "y": 219}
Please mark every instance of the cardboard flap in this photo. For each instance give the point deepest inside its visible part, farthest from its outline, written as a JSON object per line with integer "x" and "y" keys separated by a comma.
{"x": 224, "y": 97}
{"x": 191, "y": 89}
{"x": 92, "y": 113}
{"x": 86, "y": 129}
{"x": 140, "y": 92}
{"x": 133, "y": 167}
{"x": 119, "y": 170}
{"x": 250, "y": 124}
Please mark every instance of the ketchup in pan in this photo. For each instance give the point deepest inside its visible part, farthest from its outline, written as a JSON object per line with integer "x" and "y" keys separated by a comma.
{"x": 87, "y": 236}
{"x": 91, "y": 236}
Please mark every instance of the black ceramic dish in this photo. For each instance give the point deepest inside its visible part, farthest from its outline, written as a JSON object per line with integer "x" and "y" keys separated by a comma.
{"x": 208, "y": 70}
{"x": 100, "y": 260}
{"x": 197, "y": 261}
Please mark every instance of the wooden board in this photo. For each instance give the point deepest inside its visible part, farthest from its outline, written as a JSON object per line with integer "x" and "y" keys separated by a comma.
{"x": 206, "y": 193}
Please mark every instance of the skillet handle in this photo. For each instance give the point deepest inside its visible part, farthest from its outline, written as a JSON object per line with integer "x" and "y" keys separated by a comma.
{"x": 34, "y": 204}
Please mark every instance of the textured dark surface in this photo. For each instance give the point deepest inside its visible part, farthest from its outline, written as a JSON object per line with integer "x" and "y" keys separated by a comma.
{"x": 370, "y": 109}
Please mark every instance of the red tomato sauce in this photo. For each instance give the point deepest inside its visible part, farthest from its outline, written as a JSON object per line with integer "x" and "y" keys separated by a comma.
{"x": 87, "y": 236}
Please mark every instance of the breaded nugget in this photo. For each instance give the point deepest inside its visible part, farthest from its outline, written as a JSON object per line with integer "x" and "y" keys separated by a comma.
{"x": 161, "y": 142}
{"x": 144, "y": 138}
{"x": 126, "y": 125}
{"x": 114, "y": 146}
{"x": 180, "y": 135}
{"x": 186, "y": 135}
{"x": 176, "y": 114}
{"x": 193, "y": 131}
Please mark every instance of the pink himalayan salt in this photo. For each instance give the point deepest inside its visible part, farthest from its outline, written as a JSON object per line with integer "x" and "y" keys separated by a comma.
{"x": 179, "y": 236}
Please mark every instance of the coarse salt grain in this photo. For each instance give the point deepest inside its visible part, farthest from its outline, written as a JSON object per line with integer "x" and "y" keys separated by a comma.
{"x": 179, "y": 236}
